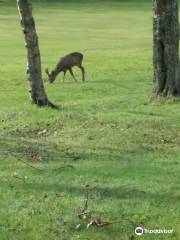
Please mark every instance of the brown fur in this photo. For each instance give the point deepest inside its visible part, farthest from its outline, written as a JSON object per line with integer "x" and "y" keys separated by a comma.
{"x": 65, "y": 64}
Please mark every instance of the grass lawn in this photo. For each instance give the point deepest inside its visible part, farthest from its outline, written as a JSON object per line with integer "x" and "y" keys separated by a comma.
{"x": 108, "y": 133}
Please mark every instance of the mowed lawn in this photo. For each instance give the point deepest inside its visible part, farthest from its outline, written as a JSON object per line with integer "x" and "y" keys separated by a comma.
{"x": 107, "y": 134}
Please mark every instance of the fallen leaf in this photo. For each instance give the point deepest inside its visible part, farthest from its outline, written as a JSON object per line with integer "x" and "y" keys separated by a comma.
{"x": 42, "y": 133}
{"x": 34, "y": 157}
{"x": 97, "y": 223}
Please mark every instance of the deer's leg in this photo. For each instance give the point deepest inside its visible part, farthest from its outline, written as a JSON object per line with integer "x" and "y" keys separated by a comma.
{"x": 64, "y": 75}
{"x": 83, "y": 72}
{"x": 72, "y": 74}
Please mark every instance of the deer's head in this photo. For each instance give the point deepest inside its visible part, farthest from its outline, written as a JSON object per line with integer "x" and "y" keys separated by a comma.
{"x": 51, "y": 76}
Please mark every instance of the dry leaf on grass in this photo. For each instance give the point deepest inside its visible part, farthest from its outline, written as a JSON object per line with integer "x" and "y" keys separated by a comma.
{"x": 34, "y": 157}
{"x": 42, "y": 133}
{"x": 97, "y": 223}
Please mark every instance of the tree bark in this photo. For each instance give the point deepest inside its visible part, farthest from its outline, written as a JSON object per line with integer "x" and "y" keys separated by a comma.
{"x": 34, "y": 74}
{"x": 166, "y": 48}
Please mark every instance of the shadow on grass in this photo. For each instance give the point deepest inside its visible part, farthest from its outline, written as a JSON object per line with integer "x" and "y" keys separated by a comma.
{"x": 102, "y": 193}
{"x": 50, "y": 151}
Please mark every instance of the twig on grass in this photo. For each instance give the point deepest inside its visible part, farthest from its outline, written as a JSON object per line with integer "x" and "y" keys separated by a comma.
{"x": 86, "y": 215}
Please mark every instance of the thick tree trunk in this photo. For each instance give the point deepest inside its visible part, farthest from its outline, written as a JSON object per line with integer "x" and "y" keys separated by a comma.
{"x": 36, "y": 87}
{"x": 166, "y": 48}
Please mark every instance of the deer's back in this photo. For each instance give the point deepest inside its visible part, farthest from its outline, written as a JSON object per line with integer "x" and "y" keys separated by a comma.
{"x": 72, "y": 59}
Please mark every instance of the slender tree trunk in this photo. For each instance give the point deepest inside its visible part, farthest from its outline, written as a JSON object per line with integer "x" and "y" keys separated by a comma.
{"x": 166, "y": 48}
{"x": 36, "y": 87}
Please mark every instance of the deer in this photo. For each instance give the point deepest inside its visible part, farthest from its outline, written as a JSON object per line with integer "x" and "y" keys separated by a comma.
{"x": 65, "y": 64}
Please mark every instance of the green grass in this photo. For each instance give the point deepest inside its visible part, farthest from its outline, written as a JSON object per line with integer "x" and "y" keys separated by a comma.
{"x": 108, "y": 133}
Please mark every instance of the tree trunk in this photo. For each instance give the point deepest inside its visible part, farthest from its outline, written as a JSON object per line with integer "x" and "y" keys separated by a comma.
{"x": 166, "y": 48}
{"x": 36, "y": 87}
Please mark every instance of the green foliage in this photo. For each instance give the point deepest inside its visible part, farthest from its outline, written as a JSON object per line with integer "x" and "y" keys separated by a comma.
{"x": 108, "y": 133}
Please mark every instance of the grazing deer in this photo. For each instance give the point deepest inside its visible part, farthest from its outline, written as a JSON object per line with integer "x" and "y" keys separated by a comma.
{"x": 65, "y": 64}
